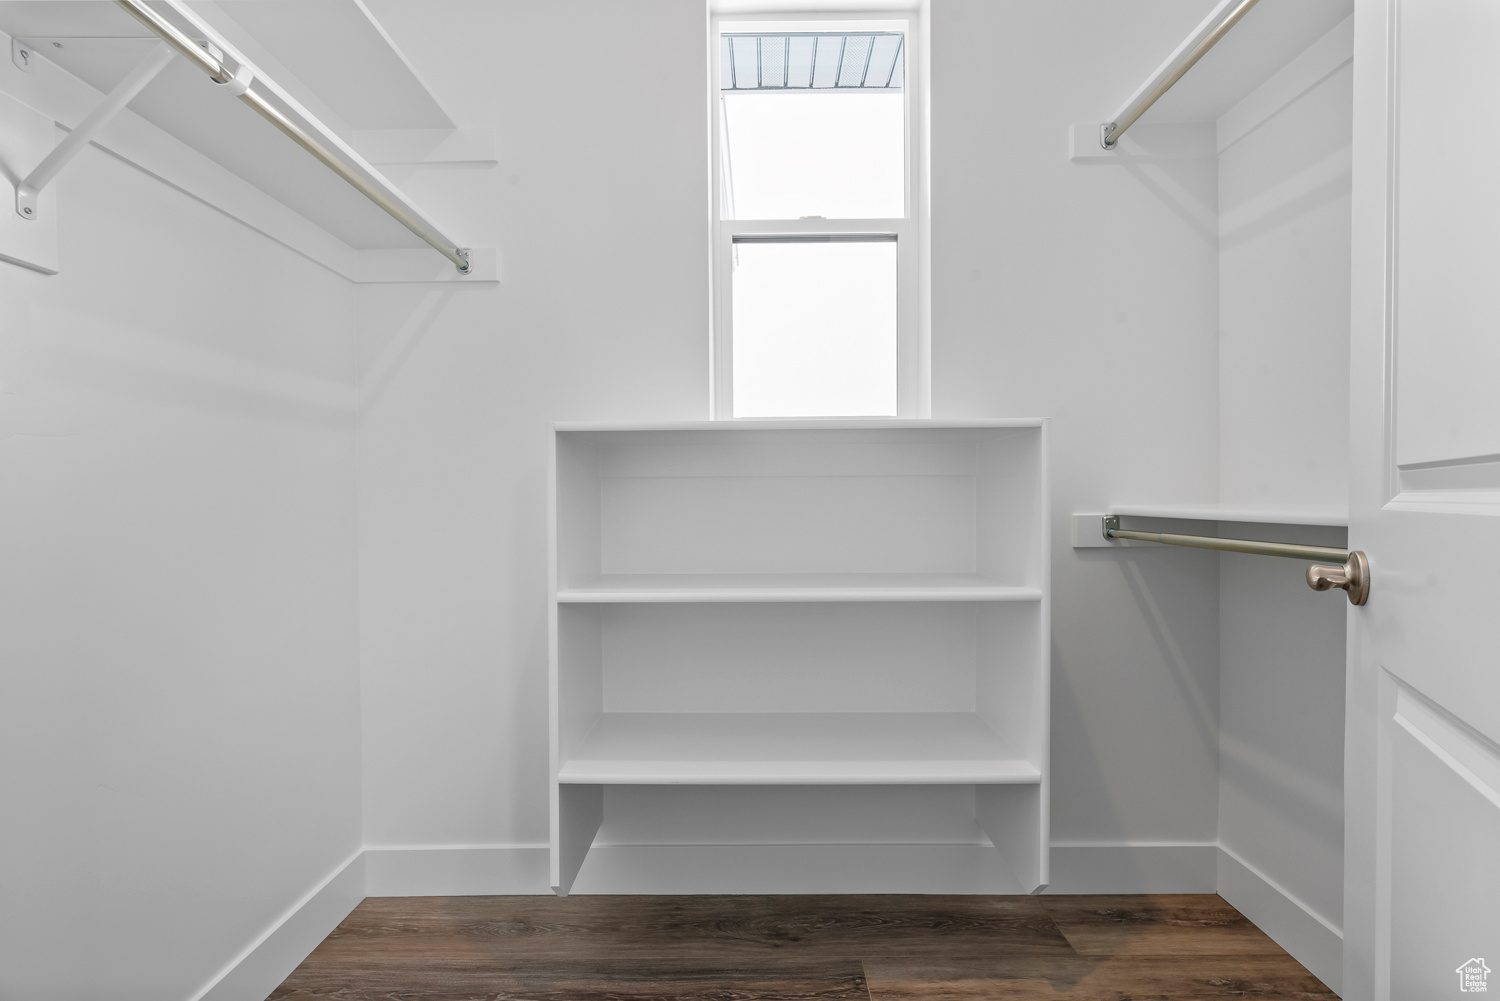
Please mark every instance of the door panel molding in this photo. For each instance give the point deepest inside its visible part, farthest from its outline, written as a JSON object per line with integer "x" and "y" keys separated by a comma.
{"x": 1434, "y": 874}
{"x": 1471, "y": 755}
{"x": 1443, "y": 420}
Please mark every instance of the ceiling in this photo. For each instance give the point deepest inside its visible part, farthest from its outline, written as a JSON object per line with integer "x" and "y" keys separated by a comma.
{"x": 1271, "y": 35}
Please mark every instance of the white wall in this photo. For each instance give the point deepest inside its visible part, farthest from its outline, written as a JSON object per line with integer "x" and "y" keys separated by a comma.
{"x": 1284, "y": 304}
{"x": 599, "y": 205}
{"x": 1284, "y": 253}
{"x": 178, "y": 698}
{"x": 1281, "y": 747}
{"x": 1084, "y": 295}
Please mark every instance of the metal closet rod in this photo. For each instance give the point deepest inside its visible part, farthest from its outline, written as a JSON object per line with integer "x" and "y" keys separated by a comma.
{"x": 1352, "y": 577}
{"x": 385, "y": 196}
{"x": 1112, "y": 530}
{"x": 1213, "y": 28}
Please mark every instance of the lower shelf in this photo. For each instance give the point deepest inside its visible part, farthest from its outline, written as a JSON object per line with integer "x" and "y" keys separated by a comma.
{"x": 795, "y": 749}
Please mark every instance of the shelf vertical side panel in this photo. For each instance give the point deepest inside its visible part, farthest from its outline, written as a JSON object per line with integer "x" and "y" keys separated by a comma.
{"x": 1013, "y": 685}
{"x": 580, "y": 812}
{"x": 554, "y": 735}
{"x": 1014, "y": 819}
{"x": 575, "y": 652}
{"x": 1043, "y": 544}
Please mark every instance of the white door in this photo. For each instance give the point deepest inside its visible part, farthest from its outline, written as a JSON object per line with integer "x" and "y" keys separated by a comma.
{"x": 1422, "y": 795}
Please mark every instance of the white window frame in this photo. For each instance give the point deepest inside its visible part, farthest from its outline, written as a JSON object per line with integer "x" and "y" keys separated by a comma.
{"x": 913, "y": 393}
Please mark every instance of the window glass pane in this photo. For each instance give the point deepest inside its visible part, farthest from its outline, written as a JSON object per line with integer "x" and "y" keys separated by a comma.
{"x": 882, "y": 69}
{"x": 773, "y": 61}
{"x": 814, "y": 329}
{"x": 834, "y": 155}
{"x": 800, "y": 60}
{"x": 829, "y": 49}
{"x": 856, "y": 57}
{"x": 746, "y": 62}
{"x": 814, "y": 126}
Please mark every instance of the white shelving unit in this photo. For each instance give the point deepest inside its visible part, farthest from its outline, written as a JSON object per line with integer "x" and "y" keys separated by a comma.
{"x": 776, "y": 603}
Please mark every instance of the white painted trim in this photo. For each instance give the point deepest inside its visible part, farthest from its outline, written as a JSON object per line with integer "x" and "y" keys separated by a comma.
{"x": 456, "y": 870}
{"x": 1318, "y": 62}
{"x": 1306, "y": 935}
{"x": 1134, "y": 867}
{"x": 796, "y": 869}
{"x": 462, "y": 870}
{"x": 1470, "y": 755}
{"x": 267, "y": 961}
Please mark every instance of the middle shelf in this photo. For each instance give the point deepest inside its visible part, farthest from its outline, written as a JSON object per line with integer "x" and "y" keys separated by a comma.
{"x": 931, "y": 748}
{"x": 800, "y": 587}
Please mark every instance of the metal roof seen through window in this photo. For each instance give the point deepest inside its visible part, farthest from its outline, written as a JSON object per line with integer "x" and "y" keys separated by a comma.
{"x": 802, "y": 61}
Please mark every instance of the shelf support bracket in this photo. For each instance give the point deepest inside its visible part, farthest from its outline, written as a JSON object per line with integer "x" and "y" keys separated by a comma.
{"x": 125, "y": 91}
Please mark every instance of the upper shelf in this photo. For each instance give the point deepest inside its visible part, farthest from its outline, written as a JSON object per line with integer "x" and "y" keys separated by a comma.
{"x": 1269, "y": 37}
{"x": 1245, "y": 513}
{"x": 331, "y": 56}
{"x": 800, "y": 511}
{"x": 310, "y": 48}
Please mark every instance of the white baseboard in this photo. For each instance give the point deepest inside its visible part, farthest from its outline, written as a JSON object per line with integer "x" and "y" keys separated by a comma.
{"x": 265, "y": 963}
{"x": 841, "y": 868}
{"x": 435, "y": 870}
{"x": 463, "y": 870}
{"x": 1310, "y": 939}
{"x": 456, "y": 870}
{"x": 1134, "y": 868}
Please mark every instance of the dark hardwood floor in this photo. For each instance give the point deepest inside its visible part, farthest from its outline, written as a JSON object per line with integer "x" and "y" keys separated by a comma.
{"x": 742, "y": 948}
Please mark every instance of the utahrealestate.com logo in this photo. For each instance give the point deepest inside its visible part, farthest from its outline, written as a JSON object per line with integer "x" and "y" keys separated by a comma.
{"x": 1472, "y": 976}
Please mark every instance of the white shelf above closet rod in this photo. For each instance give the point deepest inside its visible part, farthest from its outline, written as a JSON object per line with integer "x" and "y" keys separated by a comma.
{"x": 1214, "y": 27}
{"x": 309, "y": 133}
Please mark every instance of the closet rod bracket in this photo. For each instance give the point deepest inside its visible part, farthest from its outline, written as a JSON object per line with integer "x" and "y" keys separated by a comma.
{"x": 1353, "y": 577}
{"x": 135, "y": 81}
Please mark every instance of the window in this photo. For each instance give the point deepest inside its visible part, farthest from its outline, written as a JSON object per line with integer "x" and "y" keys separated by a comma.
{"x": 815, "y": 242}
